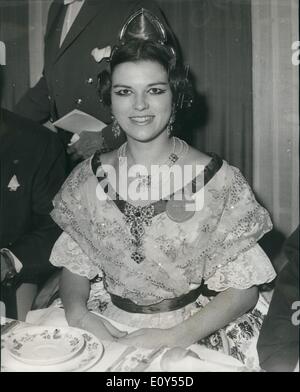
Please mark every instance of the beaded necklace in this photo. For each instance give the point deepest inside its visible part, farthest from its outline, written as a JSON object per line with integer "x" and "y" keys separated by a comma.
{"x": 144, "y": 180}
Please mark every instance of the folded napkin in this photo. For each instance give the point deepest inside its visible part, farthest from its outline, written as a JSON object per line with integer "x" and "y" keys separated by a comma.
{"x": 203, "y": 360}
{"x": 50, "y": 316}
{"x": 55, "y": 316}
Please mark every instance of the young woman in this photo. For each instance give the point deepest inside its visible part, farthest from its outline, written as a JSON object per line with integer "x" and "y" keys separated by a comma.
{"x": 177, "y": 253}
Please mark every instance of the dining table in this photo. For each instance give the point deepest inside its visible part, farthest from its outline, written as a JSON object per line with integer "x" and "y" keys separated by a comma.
{"x": 104, "y": 356}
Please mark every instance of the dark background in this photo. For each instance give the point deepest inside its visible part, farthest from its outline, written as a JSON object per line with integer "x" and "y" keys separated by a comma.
{"x": 215, "y": 37}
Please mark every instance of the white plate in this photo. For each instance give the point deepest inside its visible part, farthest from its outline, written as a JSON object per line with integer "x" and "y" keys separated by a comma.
{"x": 89, "y": 356}
{"x": 42, "y": 345}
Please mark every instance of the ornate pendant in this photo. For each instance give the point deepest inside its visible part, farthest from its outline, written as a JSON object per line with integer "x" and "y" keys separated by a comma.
{"x": 137, "y": 218}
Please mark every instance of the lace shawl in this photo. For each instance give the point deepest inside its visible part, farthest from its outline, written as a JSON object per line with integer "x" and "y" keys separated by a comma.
{"x": 218, "y": 244}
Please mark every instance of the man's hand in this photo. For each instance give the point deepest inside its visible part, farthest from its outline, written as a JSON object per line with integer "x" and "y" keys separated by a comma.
{"x": 7, "y": 266}
{"x": 50, "y": 126}
{"x": 4, "y": 268}
{"x": 86, "y": 146}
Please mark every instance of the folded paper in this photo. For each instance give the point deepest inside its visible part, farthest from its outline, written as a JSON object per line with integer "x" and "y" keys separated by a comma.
{"x": 77, "y": 121}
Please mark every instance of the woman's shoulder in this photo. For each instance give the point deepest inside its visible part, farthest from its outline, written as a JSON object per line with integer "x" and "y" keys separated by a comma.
{"x": 195, "y": 156}
{"x": 109, "y": 158}
{"x": 210, "y": 162}
{"x": 212, "y": 166}
{"x": 215, "y": 167}
{"x": 99, "y": 159}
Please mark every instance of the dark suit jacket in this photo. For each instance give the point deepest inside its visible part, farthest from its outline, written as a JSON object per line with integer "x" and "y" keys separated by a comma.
{"x": 278, "y": 344}
{"x": 36, "y": 157}
{"x": 70, "y": 72}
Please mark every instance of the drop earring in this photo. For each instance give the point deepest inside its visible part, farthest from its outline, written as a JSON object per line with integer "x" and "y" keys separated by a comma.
{"x": 116, "y": 129}
{"x": 170, "y": 125}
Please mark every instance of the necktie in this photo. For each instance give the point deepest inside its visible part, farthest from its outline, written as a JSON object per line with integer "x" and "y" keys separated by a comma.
{"x": 67, "y": 2}
{"x": 74, "y": 7}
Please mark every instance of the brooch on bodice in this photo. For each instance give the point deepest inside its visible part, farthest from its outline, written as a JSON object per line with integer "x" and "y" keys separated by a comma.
{"x": 136, "y": 218}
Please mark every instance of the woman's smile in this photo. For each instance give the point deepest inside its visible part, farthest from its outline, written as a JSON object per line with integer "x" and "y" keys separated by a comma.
{"x": 142, "y": 120}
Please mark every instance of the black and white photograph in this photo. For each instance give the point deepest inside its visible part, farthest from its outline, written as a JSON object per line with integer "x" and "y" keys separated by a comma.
{"x": 149, "y": 188}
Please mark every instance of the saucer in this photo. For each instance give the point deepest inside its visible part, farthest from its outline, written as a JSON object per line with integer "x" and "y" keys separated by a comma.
{"x": 41, "y": 345}
{"x": 90, "y": 354}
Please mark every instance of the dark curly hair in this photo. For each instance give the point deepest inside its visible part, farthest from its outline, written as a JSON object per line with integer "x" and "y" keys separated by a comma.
{"x": 137, "y": 50}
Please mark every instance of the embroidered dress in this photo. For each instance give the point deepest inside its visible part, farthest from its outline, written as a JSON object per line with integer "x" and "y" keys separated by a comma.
{"x": 216, "y": 246}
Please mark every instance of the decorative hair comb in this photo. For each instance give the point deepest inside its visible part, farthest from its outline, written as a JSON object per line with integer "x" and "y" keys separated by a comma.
{"x": 184, "y": 99}
{"x": 144, "y": 25}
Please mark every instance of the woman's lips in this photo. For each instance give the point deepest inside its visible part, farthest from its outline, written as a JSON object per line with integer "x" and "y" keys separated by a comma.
{"x": 141, "y": 120}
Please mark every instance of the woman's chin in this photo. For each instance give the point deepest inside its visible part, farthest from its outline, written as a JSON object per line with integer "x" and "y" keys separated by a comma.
{"x": 144, "y": 136}
{"x": 145, "y": 139}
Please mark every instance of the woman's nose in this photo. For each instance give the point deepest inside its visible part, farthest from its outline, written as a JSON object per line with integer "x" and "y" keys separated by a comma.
{"x": 141, "y": 102}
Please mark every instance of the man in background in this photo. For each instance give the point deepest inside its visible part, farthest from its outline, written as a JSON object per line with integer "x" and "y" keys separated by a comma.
{"x": 32, "y": 170}
{"x": 79, "y": 34}
{"x": 278, "y": 343}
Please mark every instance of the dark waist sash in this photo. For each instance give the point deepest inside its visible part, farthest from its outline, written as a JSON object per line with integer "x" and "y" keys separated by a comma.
{"x": 165, "y": 305}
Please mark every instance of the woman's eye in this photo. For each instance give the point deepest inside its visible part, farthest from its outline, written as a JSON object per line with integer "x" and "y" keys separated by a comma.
{"x": 123, "y": 92}
{"x": 156, "y": 91}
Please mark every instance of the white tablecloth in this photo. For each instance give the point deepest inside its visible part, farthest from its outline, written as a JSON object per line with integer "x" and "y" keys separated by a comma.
{"x": 118, "y": 357}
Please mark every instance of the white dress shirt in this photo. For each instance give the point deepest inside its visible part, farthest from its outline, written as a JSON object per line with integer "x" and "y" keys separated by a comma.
{"x": 74, "y": 6}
